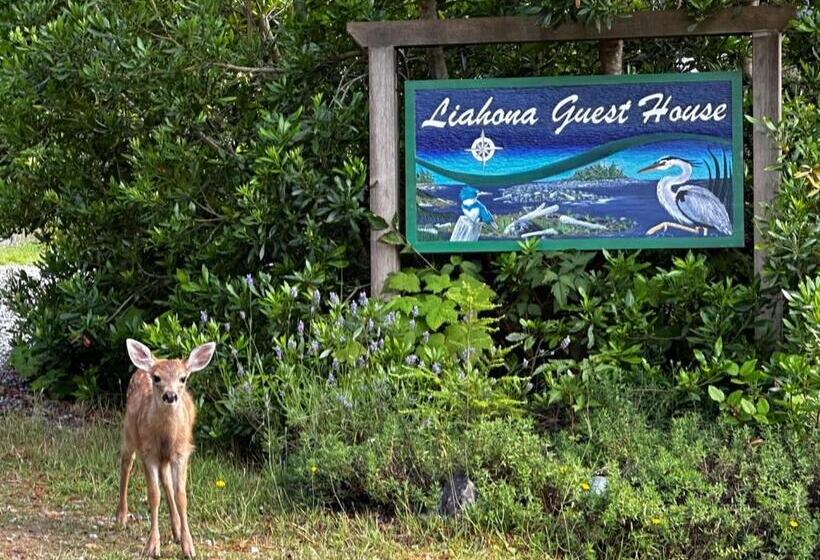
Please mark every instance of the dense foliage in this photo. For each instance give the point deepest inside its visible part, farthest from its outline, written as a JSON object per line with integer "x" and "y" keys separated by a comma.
{"x": 196, "y": 172}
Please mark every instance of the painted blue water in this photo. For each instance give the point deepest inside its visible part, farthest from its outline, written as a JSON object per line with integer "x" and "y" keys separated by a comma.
{"x": 507, "y": 161}
{"x": 634, "y": 200}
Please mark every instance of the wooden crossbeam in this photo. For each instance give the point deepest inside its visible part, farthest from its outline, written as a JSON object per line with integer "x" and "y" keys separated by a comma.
{"x": 639, "y": 25}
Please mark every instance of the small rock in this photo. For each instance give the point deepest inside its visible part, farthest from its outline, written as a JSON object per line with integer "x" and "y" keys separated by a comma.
{"x": 598, "y": 485}
{"x": 457, "y": 493}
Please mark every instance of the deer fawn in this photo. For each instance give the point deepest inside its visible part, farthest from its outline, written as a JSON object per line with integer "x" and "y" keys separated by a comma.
{"x": 159, "y": 420}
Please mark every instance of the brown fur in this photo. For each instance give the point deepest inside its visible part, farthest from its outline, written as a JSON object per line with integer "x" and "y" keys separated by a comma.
{"x": 162, "y": 435}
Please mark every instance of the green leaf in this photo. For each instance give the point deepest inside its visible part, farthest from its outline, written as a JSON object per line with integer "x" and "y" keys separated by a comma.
{"x": 403, "y": 282}
{"x": 747, "y": 406}
{"x": 437, "y": 282}
{"x": 444, "y": 313}
{"x": 716, "y": 394}
{"x": 377, "y": 222}
{"x": 392, "y": 238}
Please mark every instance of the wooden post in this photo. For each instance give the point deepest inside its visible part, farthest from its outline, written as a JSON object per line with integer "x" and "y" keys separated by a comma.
{"x": 384, "y": 160}
{"x": 766, "y": 102}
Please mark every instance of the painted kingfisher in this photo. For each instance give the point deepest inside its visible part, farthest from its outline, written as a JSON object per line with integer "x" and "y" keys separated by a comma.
{"x": 475, "y": 209}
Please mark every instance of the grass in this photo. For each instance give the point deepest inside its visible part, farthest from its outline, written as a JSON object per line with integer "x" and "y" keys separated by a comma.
{"x": 58, "y": 494}
{"x": 24, "y": 252}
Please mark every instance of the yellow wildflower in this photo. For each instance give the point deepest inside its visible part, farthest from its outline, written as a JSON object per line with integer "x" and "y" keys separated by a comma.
{"x": 656, "y": 521}
{"x": 585, "y": 486}
{"x": 314, "y": 469}
{"x": 219, "y": 483}
{"x": 793, "y": 523}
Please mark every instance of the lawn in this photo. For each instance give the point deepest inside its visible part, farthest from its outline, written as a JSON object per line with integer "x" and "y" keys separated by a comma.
{"x": 58, "y": 490}
{"x": 24, "y": 252}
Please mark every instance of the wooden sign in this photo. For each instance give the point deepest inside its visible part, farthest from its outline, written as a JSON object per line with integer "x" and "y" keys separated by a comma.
{"x": 616, "y": 162}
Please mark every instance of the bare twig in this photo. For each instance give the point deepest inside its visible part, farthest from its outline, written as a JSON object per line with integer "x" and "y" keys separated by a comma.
{"x": 215, "y": 145}
{"x": 247, "y": 69}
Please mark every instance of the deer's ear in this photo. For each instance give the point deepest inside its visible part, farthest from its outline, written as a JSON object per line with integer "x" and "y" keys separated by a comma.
{"x": 200, "y": 357}
{"x": 140, "y": 354}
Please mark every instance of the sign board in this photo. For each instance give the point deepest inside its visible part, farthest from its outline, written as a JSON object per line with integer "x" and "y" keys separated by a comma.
{"x": 594, "y": 162}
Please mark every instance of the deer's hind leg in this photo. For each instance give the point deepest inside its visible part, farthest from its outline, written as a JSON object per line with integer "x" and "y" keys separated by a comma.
{"x": 126, "y": 466}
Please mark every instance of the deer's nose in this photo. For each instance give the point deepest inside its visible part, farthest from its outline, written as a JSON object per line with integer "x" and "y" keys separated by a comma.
{"x": 170, "y": 397}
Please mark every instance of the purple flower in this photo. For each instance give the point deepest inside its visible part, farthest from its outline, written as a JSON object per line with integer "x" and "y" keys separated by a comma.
{"x": 528, "y": 388}
{"x": 412, "y": 324}
{"x": 461, "y": 374}
{"x": 425, "y": 337}
{"x": 278, "y": 351}
{"x": 354, "y": 307}
{"x": 370, "y": 324}
{"x": 525, "y": 362}
{"x": 340, "y": 321}
{"x": 234, "y": 352}
{"x": 362, "y": 298}
{"x": 335, "y": 364}
{"x": 565, "y": 343}
{"x": 300, "y": 327}
{"x": 373, "y": 346}
{"x": 411, "y": 360}
{"x": 314, "y": 346}
{"x": 226, "y": 326}
{"x": 415, "y": 311}
{"x": 203, "y": 316}
{"x": 242, "y": 315}
{"x": 291, "y": 344}
{"x": 426, "y": 423}
{"x": 331, "y": 379}
{"x": 294, "y": 293}
{"x": 345, "y": 402}
{"x": 360, "y": 362}
{"x": 390, "y": 319}
{"x": 240, "y": 370}
{"x": 334, "y": 298}
{"x": 381, "y": 343}
{"x": 317, "y": 297}
{"x": 436, "y": 368}
{"x": 249, "y": 280}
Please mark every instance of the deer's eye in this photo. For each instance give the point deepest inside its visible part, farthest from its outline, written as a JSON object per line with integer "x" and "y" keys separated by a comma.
{"x": 182, "y": 379}
{"x": 155, "y": 378}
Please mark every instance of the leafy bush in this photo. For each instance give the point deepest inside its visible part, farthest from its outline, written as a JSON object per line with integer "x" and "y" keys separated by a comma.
{"x": 689, "y": 490}
{"x": 168, "y": 143}
{"x": 196, "y": 173}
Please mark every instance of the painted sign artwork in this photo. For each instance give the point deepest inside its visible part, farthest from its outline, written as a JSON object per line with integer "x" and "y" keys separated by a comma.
{"x": 591, "y": 162}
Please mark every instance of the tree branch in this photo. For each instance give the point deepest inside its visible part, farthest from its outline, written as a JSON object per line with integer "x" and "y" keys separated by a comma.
{"x": 429, "y": 10}
{"x": 247, "y": 69}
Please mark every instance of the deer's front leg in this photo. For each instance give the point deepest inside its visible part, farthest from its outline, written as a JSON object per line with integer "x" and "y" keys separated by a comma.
{"x": 152, "y": 481}
{"x": 170, "y": 497}
{"x": 179, "y": 470}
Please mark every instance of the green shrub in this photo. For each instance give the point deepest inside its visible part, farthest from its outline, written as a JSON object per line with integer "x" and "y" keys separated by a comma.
{"x": 141, "y": 138}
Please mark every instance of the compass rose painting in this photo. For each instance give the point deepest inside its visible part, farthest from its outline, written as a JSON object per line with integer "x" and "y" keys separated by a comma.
{"x": 592, "y": 162}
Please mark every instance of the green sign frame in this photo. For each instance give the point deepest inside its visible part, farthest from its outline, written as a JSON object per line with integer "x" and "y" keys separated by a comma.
{"x": 412, "y": 161}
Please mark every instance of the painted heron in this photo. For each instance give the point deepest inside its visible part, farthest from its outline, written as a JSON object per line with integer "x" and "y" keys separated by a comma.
{"x": 694, "y": 209}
